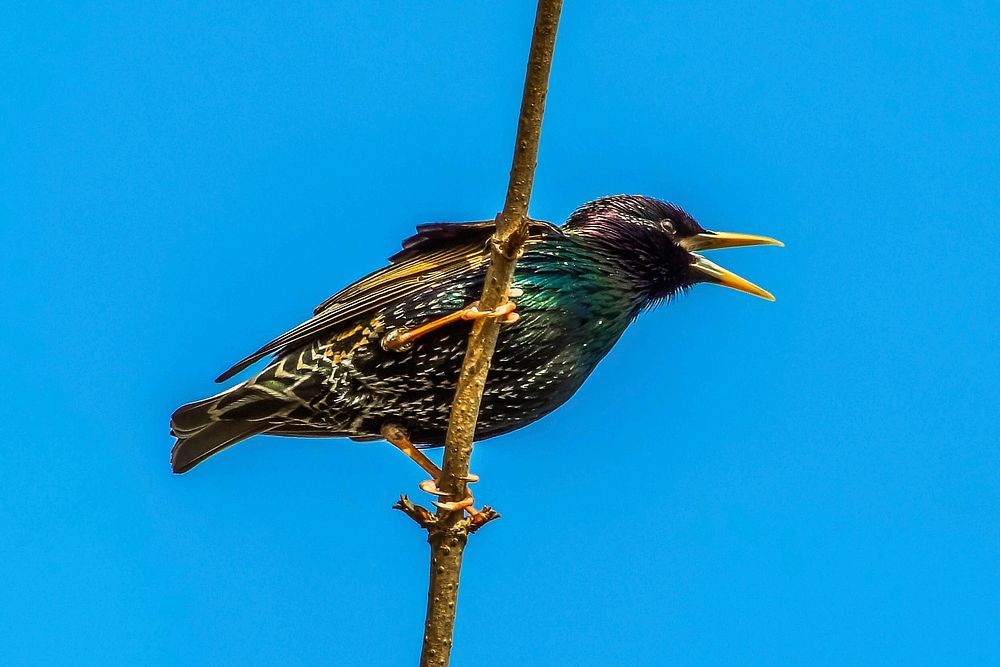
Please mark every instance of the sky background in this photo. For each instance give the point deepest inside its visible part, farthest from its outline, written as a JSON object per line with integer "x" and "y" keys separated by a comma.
{"x": 810, "y": 482}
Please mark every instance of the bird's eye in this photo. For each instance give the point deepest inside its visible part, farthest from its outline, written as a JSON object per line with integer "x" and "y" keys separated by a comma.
{"x": 668, "y": 226}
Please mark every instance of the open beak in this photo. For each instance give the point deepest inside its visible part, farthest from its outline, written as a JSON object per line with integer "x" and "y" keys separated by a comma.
{"x": 712, "y": 272}
{"x": 714, "y": 240}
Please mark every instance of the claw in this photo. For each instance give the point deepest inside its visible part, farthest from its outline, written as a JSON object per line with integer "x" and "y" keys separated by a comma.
{"x": 464, "y": 504}
{"x": 515, "y": 292}
{"x": 397, "y": 435}
{"x": 430, "y": 486}
{"x": 401, "y": 339}
{"x": 504, "y": 310}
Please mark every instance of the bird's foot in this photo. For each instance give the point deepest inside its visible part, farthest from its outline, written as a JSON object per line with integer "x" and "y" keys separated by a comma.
{"x": 402, "y": 339}
{"x": 505, "y": 311}
{"x": 430, "y": 486}
{"x": 397, "y": 435}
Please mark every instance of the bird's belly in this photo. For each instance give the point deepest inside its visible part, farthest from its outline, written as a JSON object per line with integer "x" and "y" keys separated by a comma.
{"x": 539, "y": 363}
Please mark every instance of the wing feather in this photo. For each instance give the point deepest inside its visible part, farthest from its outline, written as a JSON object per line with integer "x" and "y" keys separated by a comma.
{"x": 437, "y": 253}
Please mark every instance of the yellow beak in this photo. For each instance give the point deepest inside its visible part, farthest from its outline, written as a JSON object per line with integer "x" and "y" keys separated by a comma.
{"x": 714, "y": 240}
{"x": 712, "y": 272}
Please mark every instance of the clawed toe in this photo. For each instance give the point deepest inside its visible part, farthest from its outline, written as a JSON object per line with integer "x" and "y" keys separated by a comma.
{"x": 464, "y": 504}
{"x": 398, "y": 436}
{"x": 430, "y": 486}
{"x": 504, "y": 311}
{"x": 401, "y": 339}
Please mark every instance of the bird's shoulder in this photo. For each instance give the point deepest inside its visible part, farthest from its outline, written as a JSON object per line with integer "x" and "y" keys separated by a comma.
{"x": 437, "y": 248}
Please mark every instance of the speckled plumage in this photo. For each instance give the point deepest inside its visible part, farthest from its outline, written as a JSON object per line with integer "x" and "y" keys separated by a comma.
{"x": 583, "y": 284}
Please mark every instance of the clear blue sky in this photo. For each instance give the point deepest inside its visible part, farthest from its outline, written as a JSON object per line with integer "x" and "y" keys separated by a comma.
{"x": 810, "y": 482}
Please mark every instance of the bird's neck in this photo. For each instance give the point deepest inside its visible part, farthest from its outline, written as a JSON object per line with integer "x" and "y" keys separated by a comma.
{"x": 640, "y": 271}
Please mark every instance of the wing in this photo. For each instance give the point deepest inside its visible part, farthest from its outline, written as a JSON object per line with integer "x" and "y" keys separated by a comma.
{"x": 436, "y": 253}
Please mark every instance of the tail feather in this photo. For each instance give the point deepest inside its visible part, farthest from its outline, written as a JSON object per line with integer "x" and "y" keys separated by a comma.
{"x": 191, "y": 418}
{"x": 201, "y": 433}
{"x": 193, "y": 449}
{"x": 263, "y": 403}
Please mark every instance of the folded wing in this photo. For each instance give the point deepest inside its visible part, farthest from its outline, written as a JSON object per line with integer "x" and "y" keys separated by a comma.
{"x": 436, "y": 253}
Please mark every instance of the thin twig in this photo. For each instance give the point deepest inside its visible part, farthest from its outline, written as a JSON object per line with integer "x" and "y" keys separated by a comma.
{"x": 449, "y": 533}
{"x": 423, "y": 517}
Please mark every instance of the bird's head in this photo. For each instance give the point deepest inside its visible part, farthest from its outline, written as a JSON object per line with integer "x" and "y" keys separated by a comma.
{"x": 657, "y": 245}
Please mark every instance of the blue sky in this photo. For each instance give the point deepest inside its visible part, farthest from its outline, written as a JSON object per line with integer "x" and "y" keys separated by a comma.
{"x": 814, "y": 481}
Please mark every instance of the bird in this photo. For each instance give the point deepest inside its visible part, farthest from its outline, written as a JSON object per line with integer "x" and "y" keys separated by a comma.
{"x": 380, "y": 359}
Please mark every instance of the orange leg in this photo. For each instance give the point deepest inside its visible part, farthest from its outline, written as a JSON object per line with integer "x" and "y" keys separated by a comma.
{"x": 400, "y": 340}
{"x": 398, "y": 437}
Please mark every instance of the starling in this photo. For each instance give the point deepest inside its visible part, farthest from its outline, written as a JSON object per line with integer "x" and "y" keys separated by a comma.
{"x": 380, "y": 359}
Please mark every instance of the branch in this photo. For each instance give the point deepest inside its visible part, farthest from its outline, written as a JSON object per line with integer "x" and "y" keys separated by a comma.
{"x": 450, "y": 530}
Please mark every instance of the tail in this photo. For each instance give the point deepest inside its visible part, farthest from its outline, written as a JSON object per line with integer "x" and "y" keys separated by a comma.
{"x": 263, "y": 403}
{"x": 202, "y": 431}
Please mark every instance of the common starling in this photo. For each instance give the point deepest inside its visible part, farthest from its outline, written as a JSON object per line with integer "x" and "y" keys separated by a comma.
{"x": 380, "y": 359}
